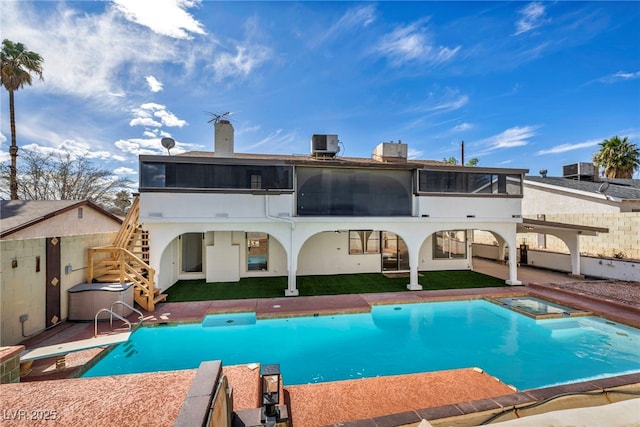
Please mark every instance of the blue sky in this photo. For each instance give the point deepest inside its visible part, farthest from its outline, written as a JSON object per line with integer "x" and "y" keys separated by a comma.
{"x": 525, "y": 85}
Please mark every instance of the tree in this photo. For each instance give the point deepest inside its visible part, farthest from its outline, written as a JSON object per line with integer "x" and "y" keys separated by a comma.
{"x": 16, "y": 65}
{"x": 619, "y": 157}
{"x": 122, "y": 202}
{"x": 453, "y": 161}
{"x": 51, "y": 177}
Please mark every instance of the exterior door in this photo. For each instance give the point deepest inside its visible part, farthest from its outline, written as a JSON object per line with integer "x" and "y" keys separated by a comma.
{"x": 395, "y": 255}
{"x": 53, "y": 281}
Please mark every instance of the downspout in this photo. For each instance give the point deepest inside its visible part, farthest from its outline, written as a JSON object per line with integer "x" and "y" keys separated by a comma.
{"x": 293, "y": 226}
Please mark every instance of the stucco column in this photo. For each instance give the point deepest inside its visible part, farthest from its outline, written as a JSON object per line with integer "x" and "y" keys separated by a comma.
{"x": 414, "y": 261}
{"x": 502, "y": 246}
{"x": 575, "y": 258}
{"x": 572, "y": 240}
{"x": 513, "y": 264}
{"x": 292, "y": 266}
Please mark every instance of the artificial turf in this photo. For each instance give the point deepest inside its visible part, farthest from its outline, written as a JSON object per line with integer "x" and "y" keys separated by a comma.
{"x": 272, "y": 287}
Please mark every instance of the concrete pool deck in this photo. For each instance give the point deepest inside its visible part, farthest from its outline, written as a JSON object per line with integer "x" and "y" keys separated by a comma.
{"x": 155, "y": 399}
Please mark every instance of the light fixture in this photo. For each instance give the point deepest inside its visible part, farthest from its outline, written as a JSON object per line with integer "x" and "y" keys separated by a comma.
{"x": 270, "y": 393}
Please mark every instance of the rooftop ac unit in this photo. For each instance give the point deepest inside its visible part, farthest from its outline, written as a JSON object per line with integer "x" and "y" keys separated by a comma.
{"x": 324, "y": 145}
{"x": 582, "y": 171}
{"x": 390, "y": 152}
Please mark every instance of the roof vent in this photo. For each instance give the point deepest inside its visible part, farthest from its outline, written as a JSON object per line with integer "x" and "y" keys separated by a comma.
{"x": 580, "y": 171}
{"x": 391, "y": 152}
{"x": 324, "y": 145}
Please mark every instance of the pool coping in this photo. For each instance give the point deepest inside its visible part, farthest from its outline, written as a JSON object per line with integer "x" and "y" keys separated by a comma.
{"x": 497, "y": 405}
{"x": 563, "y": 315}
{"x": 519, "y": 398}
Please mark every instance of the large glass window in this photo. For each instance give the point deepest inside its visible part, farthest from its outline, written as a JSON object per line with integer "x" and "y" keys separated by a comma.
{"x": 450, "y": 244}
{"x": 431, "y": 181}
{"x": 191, "y": 252}
{"x": 257, "y": 251}
{"x": 215, "y": 176}
{"x": 364, "y": 242}
{"x": 353, "y": 192}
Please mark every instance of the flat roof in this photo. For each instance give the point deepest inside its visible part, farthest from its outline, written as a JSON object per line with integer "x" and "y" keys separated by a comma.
{"x": 310, "y": 161}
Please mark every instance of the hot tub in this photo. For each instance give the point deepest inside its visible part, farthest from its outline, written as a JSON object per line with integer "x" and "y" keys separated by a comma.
{"x": 86, "y": 299}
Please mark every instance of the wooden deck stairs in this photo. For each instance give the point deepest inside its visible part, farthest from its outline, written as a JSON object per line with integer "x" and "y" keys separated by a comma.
{"x": 127, "y": 260}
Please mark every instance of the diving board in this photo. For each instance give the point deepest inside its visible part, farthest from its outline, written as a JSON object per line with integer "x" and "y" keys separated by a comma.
{"x": 69, "y": 347}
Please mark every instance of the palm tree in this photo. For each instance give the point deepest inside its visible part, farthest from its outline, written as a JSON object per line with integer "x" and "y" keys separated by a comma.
{"x": 16, "y": 65}
{"x": 619, "y": 157}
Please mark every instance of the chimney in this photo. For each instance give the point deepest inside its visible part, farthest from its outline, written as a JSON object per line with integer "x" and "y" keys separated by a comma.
{"x": 223, "y": 139}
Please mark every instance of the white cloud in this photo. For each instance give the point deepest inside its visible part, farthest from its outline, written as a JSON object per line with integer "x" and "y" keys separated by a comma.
{"x": 141, "y": 146}
{"x": 125, "y": 171}
{"x": 154, "y": 84}
{"x": 620, "y": 76}
{"x": 84, "y": 53}
{"x": 532, "y": 16}
{"x": 75, "y": 149}
{"x": 144, "y": 121}
{"x": 146, "y": 115}
{"x": 441, "y": 102}
{"x": 462, "y": 127}
{"x": 562, "y": 148}
{"x": 414, "y": 154}
{"x": 246, "y": 59}
{"x": 276, "y": 141}
{"x": 513, "y": 137}
{"x": 166, "y": 17}
{"x": 412, "y": 43}
{"x": 352, "y": 18}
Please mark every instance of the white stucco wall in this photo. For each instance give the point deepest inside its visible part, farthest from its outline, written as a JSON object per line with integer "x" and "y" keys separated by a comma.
{"x": 204, "y": 206}
{"x": 328, "y": 253}
{"x": 23, "y": 289}
{"x": 460, "y": 207}
{"x": 311, "y": 243}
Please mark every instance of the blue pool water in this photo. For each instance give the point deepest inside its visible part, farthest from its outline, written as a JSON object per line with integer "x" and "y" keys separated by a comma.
{"x": 392, "y": 340}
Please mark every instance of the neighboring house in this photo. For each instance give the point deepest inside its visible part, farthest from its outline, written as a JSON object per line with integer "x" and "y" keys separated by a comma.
{"x": 222, "y": 216}
{"x": 43, "y": 252}
{"x": 582, "y": 197}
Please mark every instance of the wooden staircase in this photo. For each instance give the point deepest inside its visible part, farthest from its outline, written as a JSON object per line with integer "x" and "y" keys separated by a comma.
{"x": 127, "y": 260}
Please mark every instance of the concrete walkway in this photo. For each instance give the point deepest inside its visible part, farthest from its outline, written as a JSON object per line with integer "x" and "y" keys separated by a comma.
{"x": 526, "y": 274}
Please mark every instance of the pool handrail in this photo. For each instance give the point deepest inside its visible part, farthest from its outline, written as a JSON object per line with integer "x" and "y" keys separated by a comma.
{"x": 95, "y": 331}
{"x": 140, "y": 315}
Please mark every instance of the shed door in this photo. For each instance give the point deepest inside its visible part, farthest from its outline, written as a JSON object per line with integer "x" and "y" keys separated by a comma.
{"x": 53, "y": 281}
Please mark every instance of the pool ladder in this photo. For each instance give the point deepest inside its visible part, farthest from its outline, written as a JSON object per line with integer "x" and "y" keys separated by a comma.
{"x": 113, "y": 313}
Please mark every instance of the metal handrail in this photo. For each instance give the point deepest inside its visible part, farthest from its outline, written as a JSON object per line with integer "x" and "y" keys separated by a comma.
{"x": 141, "y": 316}
{"x": 95, "y": 332}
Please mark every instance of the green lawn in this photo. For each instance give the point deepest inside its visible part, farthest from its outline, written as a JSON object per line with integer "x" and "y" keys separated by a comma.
{"x": 271, "y": 287}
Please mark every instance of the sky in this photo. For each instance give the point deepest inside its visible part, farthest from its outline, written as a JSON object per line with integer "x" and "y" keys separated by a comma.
{"x": 527, "y": 85}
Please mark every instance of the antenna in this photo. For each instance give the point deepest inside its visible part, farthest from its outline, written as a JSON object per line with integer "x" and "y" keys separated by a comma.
{"x": 216, "y": 118}
{"x": 168, "y": 143}
{"x": 543, "y": 173}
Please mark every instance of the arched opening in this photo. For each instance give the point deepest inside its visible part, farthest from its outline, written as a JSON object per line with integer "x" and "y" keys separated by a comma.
{"x": 222, "y": 256}
{"x": 351, "y": 252}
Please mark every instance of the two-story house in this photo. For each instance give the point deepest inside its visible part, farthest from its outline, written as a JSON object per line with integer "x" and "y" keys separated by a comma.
{"x": 223, "y": 215}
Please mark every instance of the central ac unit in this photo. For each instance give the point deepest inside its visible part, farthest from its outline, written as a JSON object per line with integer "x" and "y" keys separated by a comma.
{"x": 324, "y": 145}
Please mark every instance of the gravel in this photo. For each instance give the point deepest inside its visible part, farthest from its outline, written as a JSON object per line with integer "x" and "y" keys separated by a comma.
{"x": 625, "y": 292}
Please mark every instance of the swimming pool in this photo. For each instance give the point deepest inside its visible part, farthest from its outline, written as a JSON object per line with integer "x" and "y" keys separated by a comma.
{"x": 391, "y": 340}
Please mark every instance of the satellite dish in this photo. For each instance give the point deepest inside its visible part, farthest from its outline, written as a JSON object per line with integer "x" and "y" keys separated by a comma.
{"x": 168, "y": 143}
{"x": 603, "y": 187}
